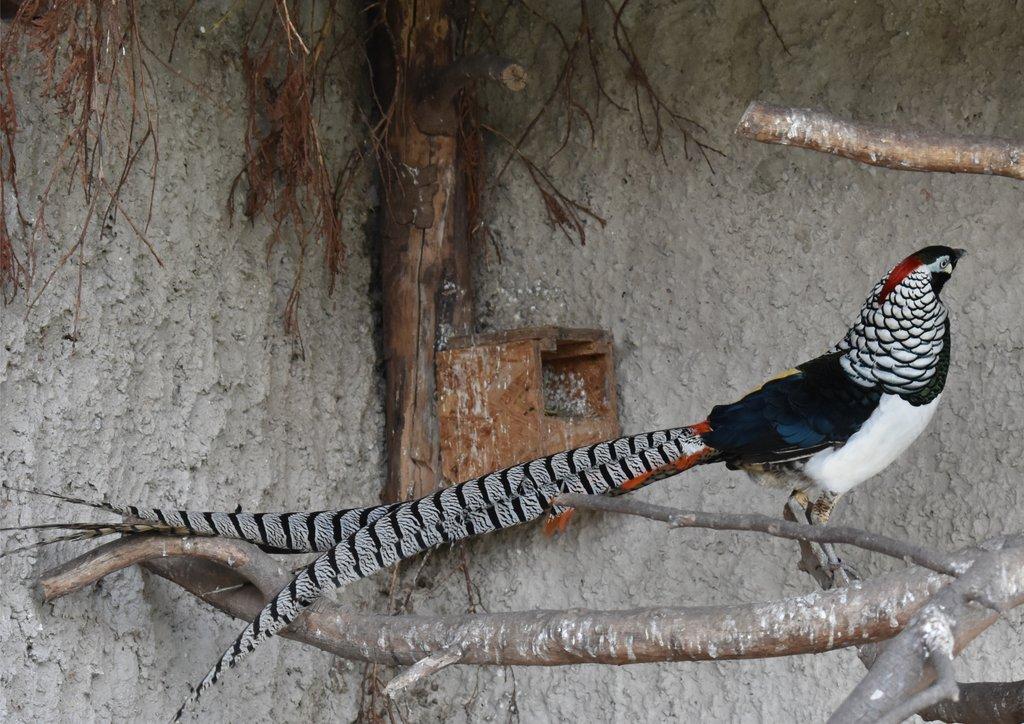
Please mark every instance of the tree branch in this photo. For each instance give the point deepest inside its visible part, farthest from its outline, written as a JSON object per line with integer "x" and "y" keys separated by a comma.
{"x": 676, "y": 518}
{"x": 938, "y": 616}
{"x": 944, "y": 699}
{"x": 901, "y": 671}
{"x": 983, "y": 702}
{"x": 422, "y": 669}
{"x": 237, "y": 578}
{"x": 938, "y": 645}
{"x": 878, "y": 145}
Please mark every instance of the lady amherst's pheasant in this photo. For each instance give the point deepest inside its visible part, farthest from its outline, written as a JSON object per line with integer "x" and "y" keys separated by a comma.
{"x": 820, "y": 429}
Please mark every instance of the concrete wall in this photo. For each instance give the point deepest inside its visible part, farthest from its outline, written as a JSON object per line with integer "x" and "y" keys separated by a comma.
{"x": 184, "y": 390}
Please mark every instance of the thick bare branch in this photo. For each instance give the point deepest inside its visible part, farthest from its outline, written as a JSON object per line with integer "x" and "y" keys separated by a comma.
{"x": 942, "y": 563}
{"x": 232, "y": 574}
{"x": 238, "y": 578}
{"x": 900, "y": 670}
{"x": 238, "y": 564}
{"x": 937, "y": 637}
{"x": 982, "y": 702}
{"x": 943, "y": 698}
{"x": 878, "y": 145}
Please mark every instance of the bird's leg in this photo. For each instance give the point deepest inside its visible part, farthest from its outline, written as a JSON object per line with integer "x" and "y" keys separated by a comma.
{"x": 818, "y": 514}
{"x": 820, "y": 511}
{"x": 830, "y": 570}
{"x": 798, "y": 507}
{"x": 812, "y": 559}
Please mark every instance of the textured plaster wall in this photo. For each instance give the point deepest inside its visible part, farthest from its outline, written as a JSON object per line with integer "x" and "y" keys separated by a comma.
{"x": 183, "y": 388}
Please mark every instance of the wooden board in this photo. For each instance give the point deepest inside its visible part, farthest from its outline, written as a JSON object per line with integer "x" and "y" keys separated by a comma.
{"x": 513, "y": 396}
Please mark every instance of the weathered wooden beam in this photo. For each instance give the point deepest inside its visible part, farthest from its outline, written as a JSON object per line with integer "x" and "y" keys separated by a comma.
{"x": 425, "y": 264}
{"x": 878, "y": 145}
{"x": 417, "y": 236}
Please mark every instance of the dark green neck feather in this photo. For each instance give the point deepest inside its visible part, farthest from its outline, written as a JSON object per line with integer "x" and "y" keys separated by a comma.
{"x": 938, "y": 381}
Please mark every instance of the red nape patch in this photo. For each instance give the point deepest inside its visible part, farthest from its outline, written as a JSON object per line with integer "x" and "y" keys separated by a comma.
{"x": 897, "y": 275}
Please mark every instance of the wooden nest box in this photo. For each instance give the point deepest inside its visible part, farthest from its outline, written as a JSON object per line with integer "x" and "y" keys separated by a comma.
{"x": 508, "y": 397}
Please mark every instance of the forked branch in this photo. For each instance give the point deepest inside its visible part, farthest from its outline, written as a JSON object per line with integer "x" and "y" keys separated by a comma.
{"x": 238, "y": 578}
{"x": 913, "y": 672}
{"x": 966, "y": 606}
{"x": 931, "y": 615}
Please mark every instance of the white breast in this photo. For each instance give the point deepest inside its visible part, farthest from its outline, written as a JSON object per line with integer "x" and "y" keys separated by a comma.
{"x": 890, "y": 430}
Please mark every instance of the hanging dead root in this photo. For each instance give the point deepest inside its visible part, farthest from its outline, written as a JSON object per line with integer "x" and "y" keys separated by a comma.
{"x": 90, "y": 55}
{"x": 564, "y": 212}
{"x": 88, "y": 52}
{"x": 582, "y": 86}
{"x": 288, "y": 51}
{"x": 286, "y": 168}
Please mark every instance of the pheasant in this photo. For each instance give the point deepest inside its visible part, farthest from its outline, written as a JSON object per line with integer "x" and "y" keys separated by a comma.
{"x": 818, "y": 429}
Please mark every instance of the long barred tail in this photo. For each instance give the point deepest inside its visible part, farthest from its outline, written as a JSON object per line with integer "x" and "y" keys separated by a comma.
{"x": 291, "y": 532}
{"x": 295, "y": 532}
{"x": 493, "y": 502}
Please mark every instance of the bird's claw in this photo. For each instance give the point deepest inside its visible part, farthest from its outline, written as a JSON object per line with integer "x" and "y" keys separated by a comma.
{"x": 841, "y": 572}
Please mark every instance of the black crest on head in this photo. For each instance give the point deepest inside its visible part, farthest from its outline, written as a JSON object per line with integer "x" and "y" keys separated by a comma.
{"x": 930, "y": 254}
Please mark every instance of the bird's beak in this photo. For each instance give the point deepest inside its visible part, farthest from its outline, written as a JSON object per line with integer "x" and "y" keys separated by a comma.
{"x": 960, "y": 253}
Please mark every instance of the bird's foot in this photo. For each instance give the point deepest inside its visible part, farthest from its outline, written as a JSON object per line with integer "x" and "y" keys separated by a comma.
{"x": 841, "y": 572}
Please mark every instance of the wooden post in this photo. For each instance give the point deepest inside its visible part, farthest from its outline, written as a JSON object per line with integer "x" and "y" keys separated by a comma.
{"x": 424, "y": 252}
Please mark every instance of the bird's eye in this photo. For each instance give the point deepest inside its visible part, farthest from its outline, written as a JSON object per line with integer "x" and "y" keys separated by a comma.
{"x": 948, "y": 267}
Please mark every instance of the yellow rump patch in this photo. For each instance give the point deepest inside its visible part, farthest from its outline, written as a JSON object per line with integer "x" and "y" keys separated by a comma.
{"x": 781, "y": 376}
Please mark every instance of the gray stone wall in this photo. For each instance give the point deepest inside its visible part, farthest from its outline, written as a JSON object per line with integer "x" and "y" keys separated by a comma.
{"x": 183, "y": 388}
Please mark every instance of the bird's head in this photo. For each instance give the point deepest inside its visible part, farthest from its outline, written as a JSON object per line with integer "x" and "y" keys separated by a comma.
{"x": 937, "y": 262}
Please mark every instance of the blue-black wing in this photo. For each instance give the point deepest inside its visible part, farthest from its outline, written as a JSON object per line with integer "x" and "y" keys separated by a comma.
{"x": 812, "y": 407}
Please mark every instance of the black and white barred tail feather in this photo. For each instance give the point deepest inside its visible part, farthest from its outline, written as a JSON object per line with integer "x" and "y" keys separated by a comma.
{"x": 291, "y": 532}
{"x": 493, "y": 502}
{"x": 288, "y": 532}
